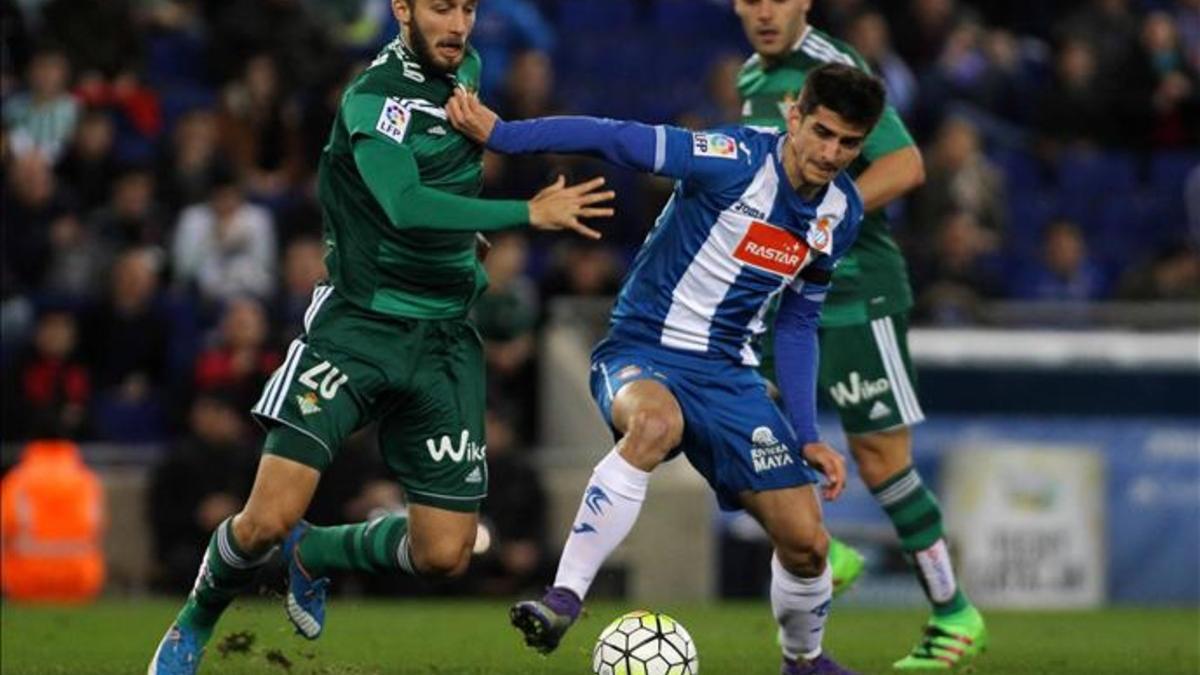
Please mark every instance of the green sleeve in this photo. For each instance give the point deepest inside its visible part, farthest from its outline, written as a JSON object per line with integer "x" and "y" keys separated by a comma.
{"x": 377, "y": 129}
{"x": 888, "y": 136}
{"x": 390, "y": 171}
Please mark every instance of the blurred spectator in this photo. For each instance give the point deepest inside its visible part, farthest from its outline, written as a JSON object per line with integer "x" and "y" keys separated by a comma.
{"x": 1109, "y": 28}
{"x": 204, "y": 478}
{"x": 528, "y": 92}
{"x": 89, "y": 164}
{"x": 225, "y": 247}
{"x": 75, "y": 261}
{"x": 135, "y": 108}
{"x": 723, "y": 104}
{"x": 529, "y": 87}
{"x": 960, "y": 179}
{"x": 506, "y": 315}
{"x": 132, "y": 217}
{"x": 1066, "y": 272}
{"x": 259, "y": 129}
{"x": 515, "y": 511}
{"x": 868, "y": 33}
{"x": 98, "y": 35}
{"x": 191, "y": 163}
{"x": 43, "y": 118}
{"x": 1169, "y": 109}
{"x": 1072, "y": 109}
{"x": 957, "y": 274}
{"x": 928, "y": 24}
{"x": 303, "y": 268}
{"x": 52, "y": 386}
{"x": 582, "y": 268}
{"x": 126, "y": 340}
{"x": 1172, "y": 274}
{"x": 1187, "y": 19}
{"x": 285, "y": 29}
{"x": 32, "y": 202}
{"x": 241, "y": 360}
{"x": 506, "y": 27}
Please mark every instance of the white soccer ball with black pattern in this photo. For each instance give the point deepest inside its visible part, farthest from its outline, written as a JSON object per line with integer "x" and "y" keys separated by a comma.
{"x": 645, "y": 643}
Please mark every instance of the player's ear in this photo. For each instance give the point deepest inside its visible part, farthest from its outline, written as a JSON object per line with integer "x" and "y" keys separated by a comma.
{"x": 402, "y": 10}
{"x": 794, "y": 119}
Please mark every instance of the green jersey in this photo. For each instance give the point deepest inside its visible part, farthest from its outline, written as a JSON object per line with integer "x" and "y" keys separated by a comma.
{"x": 397, "y": 183}
{"x": 871, "y": 281}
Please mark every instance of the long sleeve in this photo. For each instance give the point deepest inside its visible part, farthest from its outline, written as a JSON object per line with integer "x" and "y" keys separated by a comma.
{"x": 627, "y": 144}
{"x": 797, "y": 351}
{"x": 391, "y": 173}
{"x": 711, "y": 158}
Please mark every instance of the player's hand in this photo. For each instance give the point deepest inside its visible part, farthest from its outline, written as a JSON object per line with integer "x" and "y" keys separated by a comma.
{"x": 559, "y": 207}
{"x": 829, "y": 462}
{"x": 470, "y": 116}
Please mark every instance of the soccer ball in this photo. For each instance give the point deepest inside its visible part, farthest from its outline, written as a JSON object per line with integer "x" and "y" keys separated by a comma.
{"x": 645, "y": 643}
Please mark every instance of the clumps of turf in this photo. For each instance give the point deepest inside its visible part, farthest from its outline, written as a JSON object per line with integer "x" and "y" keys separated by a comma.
{"x": 239, "y": 642}
{"x": 277, "y": 658}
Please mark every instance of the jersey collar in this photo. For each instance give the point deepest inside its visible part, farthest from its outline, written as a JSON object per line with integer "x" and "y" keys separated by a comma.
{"x": 803, "y": 36}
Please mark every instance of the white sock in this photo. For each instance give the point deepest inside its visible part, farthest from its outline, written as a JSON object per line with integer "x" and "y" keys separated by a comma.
{"x": 606, "y": 514}
{"x": 801, "y": 606}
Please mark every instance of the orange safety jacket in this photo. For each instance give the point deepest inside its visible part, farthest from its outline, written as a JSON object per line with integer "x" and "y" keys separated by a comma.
{"x": 52, "y": 520}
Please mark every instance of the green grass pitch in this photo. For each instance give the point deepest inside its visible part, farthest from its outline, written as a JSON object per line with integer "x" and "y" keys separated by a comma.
{"x": 474, "y": 638}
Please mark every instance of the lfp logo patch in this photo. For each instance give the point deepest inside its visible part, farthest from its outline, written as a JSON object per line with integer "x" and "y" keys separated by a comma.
{"x": 771, "y": 248}
{"x": 393, "y": 120}
{"x": 714, "y": 145}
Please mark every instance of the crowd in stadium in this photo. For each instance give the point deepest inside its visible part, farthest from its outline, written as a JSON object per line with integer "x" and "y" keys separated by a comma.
{"x": 162, "y": 238}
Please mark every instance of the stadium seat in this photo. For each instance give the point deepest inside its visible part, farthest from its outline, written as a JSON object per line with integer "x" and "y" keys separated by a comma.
{"x": 1168, "y": 171}
{"x": 577, "y": 16}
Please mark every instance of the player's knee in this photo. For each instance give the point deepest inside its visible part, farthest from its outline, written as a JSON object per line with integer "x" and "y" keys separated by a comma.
{"x": 257, "y": 531}
{"x": 653, "y": 433}
{"x": 804, "y": 552}
{"x": 443, "y": 560}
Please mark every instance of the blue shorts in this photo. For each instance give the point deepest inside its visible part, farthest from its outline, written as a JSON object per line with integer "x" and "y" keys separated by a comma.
{"x": 733, "y": 433}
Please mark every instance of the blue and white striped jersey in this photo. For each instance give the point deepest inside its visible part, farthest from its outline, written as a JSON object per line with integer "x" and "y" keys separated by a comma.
{"x": 733, "y": 235}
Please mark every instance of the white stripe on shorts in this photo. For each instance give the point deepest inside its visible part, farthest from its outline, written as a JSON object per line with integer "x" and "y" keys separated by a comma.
{"x": 272, "y": 384}
{"x": 278, "y": 382}
{"x": 893, "y": 364}
{"x": 286, "y": 382}
{"x": 320, "y": 295}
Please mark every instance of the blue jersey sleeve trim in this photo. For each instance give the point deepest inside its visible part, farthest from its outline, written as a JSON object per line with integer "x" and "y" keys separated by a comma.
{"x": 660, "y": 148}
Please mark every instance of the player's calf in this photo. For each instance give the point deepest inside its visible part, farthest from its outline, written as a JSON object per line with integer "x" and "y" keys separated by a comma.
{"x": 442, "y": 559}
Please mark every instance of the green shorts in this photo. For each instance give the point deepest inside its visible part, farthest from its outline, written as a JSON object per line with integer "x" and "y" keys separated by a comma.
{"x": 868, "y": 375}
{"x": 423, "y": 380}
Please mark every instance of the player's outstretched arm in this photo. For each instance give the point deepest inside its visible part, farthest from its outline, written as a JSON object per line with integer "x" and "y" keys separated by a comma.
{"x": 796, "y": 358}
{"x": 392, "y": 176}
{"x": 628, "y": 144}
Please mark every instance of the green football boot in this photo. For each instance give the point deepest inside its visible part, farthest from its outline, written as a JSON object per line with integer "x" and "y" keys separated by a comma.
{"x": 949, "y": 641}
{"x": 846, "y": 564}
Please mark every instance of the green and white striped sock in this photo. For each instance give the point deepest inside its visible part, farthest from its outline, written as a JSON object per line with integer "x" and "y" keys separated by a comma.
{"x": 225, "y": 572}
{"x": 376, "y": 546}
{"x": 915, "y": 514}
